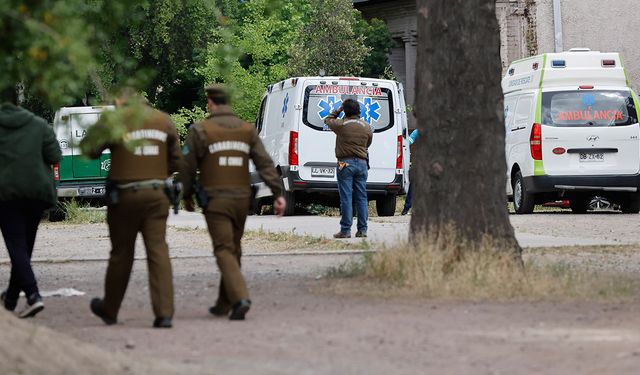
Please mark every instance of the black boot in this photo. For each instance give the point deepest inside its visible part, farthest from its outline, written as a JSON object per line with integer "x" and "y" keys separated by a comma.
{"x": 240, "y": 309}
{"x": 219, "y": 310}
{"x": 161, "y": 322}
{"x": 98, "y": 310}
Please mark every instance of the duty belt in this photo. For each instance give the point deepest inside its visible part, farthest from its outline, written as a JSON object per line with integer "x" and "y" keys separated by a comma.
{"x": 145, "y": 184}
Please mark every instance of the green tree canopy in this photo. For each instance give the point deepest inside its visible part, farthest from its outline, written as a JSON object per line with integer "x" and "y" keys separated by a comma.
{"x": 50, "y": 48}
{"x": 329, "y": 41}
{"x": 250, "y": 53}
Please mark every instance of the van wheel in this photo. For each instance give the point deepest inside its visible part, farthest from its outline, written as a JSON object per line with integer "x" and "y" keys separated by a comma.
{"x": 57, "y": 214}
{"x": 386, "y": 206}
{"x": 523, "y": 202}
{"x": 631, "y": 205}
{"x": 579, "y": 205}
{"x": 290, "y": 197}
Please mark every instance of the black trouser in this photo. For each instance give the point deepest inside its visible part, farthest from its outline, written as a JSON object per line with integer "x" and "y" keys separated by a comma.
{"x": 19, "y": 224}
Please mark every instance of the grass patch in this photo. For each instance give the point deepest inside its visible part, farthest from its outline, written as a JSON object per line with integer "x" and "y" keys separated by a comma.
{"x": 585, "y": 250}
{"x": 426, "y": 271}
{"x": 283, "y": 241}
{"x": 79, "y": 213}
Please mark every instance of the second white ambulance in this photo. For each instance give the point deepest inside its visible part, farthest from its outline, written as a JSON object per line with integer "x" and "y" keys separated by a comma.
{"x": 572, "y": 131}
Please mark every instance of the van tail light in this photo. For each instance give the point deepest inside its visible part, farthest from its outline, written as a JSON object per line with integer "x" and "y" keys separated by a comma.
{"x": 56, "y": 172}
{"x": 399, "y": 153}
{"x": 536, "y": 142}
{"x": 609, "y": 63}
{"x": 293, "y": 148}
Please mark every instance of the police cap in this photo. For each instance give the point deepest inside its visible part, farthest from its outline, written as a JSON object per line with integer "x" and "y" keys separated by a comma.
{"x": 217, "y": 93}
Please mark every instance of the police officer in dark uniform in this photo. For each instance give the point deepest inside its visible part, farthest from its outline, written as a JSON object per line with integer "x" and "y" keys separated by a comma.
{"x": 221, "y": 147}
{"x": 137, "y": 203}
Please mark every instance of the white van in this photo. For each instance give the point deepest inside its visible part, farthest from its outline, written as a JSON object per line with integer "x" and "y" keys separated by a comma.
{"x": 572, "y": 131}
{"x": 291, "y": 126}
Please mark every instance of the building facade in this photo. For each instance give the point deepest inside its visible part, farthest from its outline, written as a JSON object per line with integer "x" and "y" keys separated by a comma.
{"x": 527, "y": 28}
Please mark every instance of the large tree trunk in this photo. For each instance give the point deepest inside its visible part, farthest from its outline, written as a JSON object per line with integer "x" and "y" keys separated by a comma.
{"x": 459, "y": 169}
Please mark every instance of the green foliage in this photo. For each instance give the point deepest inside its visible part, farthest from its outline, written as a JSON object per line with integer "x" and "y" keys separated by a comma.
{"x": 379, "y": 41}
{"x": 185, "y": 117}
{"x": 113, "y": 127}
{"x": 82, "y": 213}
{"x": 329, "y": 41}
{"x": 46, "y": 47}
{"x": 167, "y": 38}
{"x": 251, "y": 52}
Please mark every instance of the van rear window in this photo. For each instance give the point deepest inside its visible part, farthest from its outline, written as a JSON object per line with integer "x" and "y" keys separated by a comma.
{"x": 588, "y": 108}
{"x": 376, "y": 104}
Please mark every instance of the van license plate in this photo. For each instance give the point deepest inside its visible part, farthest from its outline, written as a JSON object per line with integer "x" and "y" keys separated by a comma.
{"x": 90, "y": 191}
{"x": 586, "y": 157}
{"x": 323, "y": 172}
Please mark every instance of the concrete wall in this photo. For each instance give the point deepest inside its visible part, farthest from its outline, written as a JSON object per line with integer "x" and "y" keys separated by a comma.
{"x": 607, "y": 26}
{"x": 400, "y": 17}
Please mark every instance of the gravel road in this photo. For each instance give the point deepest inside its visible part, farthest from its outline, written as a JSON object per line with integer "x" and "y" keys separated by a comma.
{"x": 297, "y": 326}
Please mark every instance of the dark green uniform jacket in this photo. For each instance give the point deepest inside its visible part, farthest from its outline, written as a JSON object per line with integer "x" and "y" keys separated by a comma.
{"x": 28, "y": 148}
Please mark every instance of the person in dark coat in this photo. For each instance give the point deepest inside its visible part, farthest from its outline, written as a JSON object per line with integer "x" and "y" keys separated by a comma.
{"x": 28, "y": 148}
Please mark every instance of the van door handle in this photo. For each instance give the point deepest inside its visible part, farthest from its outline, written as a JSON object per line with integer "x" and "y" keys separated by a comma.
{"x": 518, "y": 128}
{"x": 584, "y": 150}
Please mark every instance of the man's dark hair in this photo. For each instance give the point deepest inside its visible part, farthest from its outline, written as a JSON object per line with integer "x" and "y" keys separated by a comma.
{"x": 217, "y": 95}
{"x": 351, "y": 107}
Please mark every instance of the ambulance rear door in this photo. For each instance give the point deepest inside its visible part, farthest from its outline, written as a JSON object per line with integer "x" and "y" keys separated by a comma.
{"x": 590, "y": 132}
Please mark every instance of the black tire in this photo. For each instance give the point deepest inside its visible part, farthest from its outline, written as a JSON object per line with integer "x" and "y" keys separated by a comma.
{"x": 631, "y": 205}
{"x": 290, "y": 197}
{"x": 57, "y": 214}
{"x": 256, "y": 207}
{"x": 386, "y": 206}
{"x": 523, "y": 202}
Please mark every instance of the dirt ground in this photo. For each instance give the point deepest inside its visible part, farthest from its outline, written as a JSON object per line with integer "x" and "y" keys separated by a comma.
{"x": 296, "y": 326}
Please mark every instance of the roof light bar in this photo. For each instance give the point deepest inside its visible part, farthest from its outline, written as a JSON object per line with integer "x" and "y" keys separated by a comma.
{"x": 512, "y": 71}
{"x": 586, "y": 87}
{"x": 349, "y": 79}
{"x": 559, "y": 64}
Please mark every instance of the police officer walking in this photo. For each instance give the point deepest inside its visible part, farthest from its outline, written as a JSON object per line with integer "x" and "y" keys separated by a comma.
{"x": 137, "y": 203}
{"x": 221, "y": 147}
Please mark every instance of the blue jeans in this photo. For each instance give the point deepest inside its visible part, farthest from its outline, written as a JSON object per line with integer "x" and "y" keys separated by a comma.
{"x": 352, "y": 182}
{"x": 407, "y": 203}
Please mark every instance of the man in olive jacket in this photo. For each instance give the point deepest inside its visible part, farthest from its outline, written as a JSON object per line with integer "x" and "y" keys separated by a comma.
{"x": 353, "y": 138}
{"x": 28, "y": 148}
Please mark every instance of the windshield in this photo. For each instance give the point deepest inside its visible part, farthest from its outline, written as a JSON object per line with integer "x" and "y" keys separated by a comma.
{"x": 376, "y": 105}
{"x": 588, "y": 108}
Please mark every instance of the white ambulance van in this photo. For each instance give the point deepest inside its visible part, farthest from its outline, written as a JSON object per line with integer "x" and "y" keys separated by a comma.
{"x": 572, "y": 131}
{"x": 291, "y": 126}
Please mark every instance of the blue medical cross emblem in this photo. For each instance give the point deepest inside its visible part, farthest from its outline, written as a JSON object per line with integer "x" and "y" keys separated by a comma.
{"x": 369, "y": 110}
{"x": 285, "y": 105}
{"x": 328, "y": 106}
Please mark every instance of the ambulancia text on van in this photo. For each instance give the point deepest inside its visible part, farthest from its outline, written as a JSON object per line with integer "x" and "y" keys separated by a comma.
{"x": 291, "y": 126}
{"x": 77, "y": 176}
{"x": 572, "y": 131}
